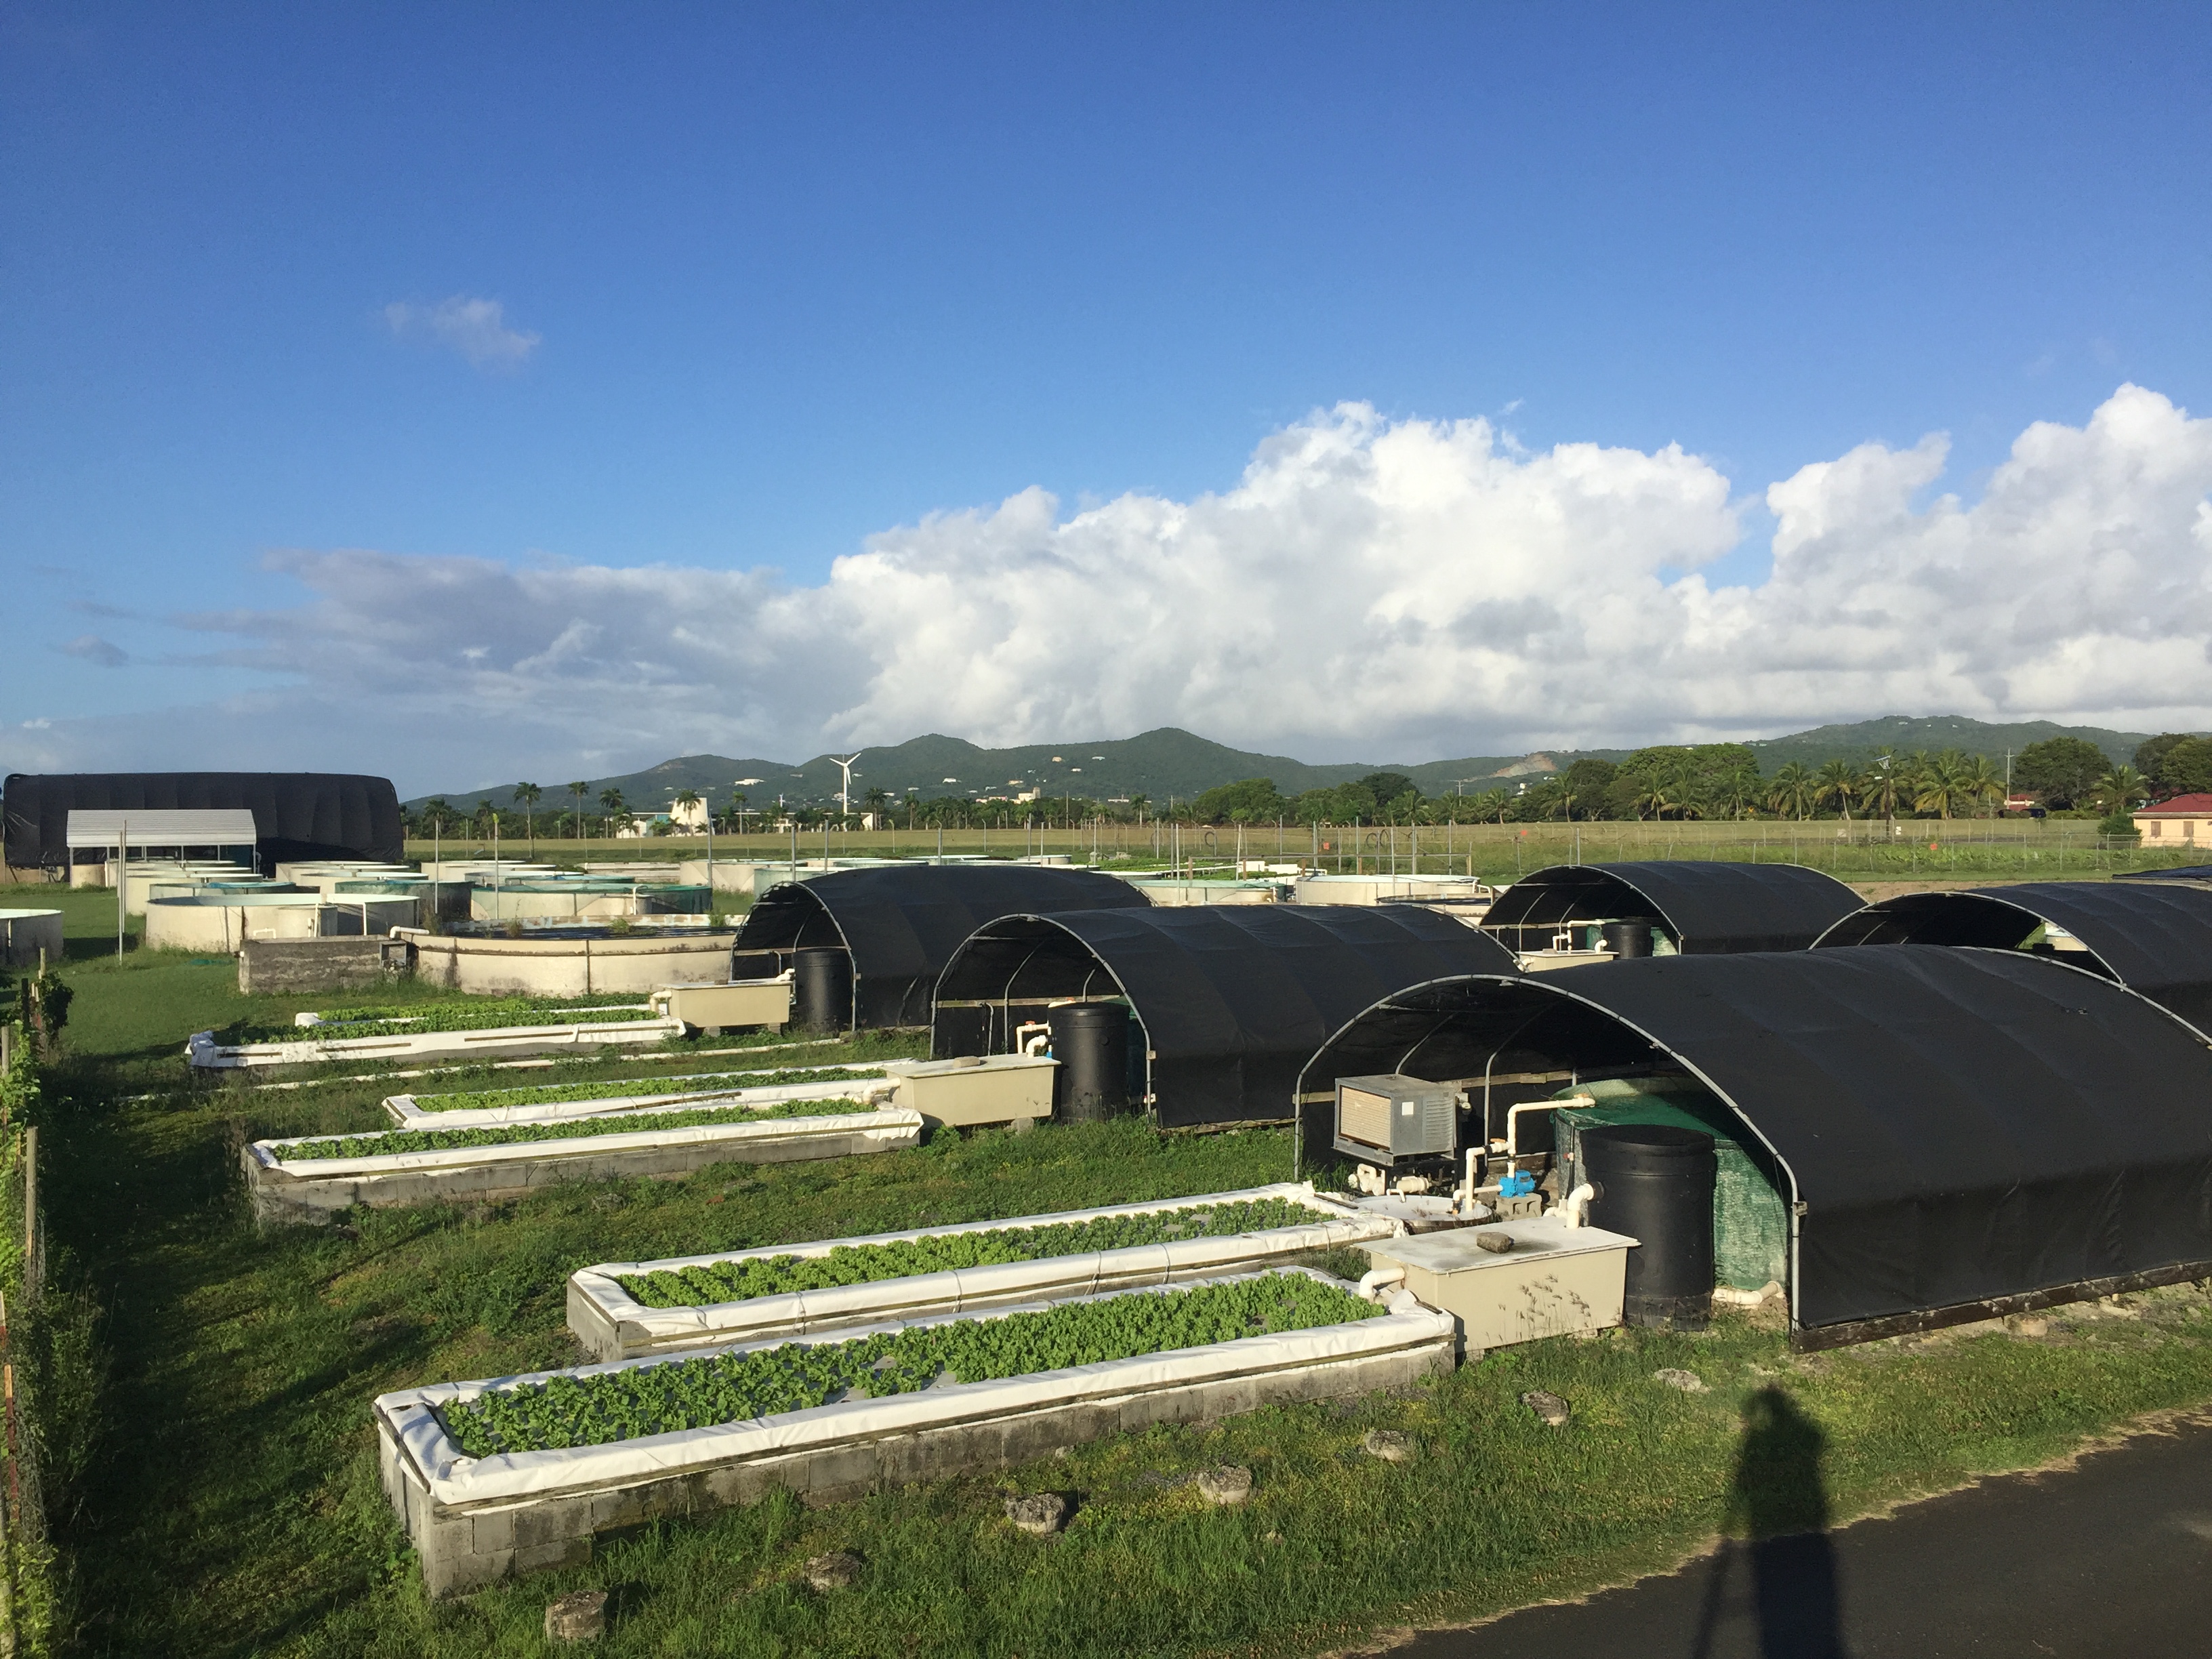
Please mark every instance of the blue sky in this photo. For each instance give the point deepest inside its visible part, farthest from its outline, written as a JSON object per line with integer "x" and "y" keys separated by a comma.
{"x": 771, "y": 282}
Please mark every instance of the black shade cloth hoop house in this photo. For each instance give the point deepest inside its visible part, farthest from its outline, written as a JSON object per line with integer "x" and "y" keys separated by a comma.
{"x": 1230, "y": 1001}
{"x": 1957, "y": 1130}
{"x": 903, "y": 923}
{"x": 1706, "y": 907}
{"x": 2156, "y": 940}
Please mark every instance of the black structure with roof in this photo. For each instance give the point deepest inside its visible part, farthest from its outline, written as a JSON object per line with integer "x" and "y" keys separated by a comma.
{"x": 1958, "y": 1131}
{"x": 296, "y": 815}
{"x": 2155, "y": 939}
{"x": 1232, "y": 999}
{"x": 1706, "y": 908}
{"x": 902, "y": 922}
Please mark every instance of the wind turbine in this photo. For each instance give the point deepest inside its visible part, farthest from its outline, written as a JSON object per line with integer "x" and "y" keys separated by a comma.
{"x": 845, "y": 794}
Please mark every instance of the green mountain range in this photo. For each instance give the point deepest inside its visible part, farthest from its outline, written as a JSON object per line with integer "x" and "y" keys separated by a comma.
{"x": 1171, "y": 764}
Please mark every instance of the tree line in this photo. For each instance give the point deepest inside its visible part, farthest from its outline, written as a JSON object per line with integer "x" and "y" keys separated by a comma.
{"x": 2064, "y": 776}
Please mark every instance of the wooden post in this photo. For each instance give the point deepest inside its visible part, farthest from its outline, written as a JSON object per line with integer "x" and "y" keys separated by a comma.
{"x": 31, "y": 1208}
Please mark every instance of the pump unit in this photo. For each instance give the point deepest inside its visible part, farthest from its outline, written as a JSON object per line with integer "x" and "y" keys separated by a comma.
{"x": 1382, "y": 1120}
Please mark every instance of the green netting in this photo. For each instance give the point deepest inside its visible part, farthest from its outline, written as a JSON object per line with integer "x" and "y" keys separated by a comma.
{"x": 1751, "y": 1227}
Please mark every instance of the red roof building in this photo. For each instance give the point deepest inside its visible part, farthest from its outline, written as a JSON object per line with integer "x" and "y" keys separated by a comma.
{"x": 2185, "y": 818}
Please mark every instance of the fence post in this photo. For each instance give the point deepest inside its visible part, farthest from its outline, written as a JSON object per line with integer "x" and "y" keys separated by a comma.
{"x": 31, "y": 1275}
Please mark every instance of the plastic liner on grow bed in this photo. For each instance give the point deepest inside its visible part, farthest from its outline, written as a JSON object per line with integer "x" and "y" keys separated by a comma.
{"x": 391, "y": 1036}
{"x": 844, "y": 1413}
{"x": 507, "y": 1161}
{"x": 554, "y": 1101}
{"x": 623, "y": 1308}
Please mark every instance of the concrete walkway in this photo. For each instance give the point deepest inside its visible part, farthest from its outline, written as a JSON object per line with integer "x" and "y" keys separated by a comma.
{"x": 2113, "y": 1556}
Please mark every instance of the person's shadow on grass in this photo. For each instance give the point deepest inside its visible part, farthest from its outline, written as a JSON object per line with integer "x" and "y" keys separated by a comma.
{"x": 1777, "y": 1520}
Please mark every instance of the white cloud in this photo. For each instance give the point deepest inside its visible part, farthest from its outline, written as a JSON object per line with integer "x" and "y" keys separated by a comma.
{"x": 1368, "y": 589}
{"x": 476, "y": 328}
{"x": 92, "y": 649}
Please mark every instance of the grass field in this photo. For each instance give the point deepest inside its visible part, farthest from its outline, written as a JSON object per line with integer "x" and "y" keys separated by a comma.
{"x": 232, "y": 1508}
{"x": 1922, "y": 848}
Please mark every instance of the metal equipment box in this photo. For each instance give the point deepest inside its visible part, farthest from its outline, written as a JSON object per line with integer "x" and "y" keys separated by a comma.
{"x": 1556, "y": 1279}
{"x": 976, "y": 1088}
{"x": 727, "y": 1007}
{"x": 1382, "y": 1119}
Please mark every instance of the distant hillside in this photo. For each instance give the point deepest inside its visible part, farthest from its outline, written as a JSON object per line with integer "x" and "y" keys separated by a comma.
{"x": 1171, "y": 763}
{"x": 1157, "y": 765}
{"x": 1936, "y": 732}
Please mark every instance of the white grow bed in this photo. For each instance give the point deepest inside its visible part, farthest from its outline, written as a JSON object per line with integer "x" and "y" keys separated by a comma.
{"x": 204, "y": 1052}
{"x": 612, "y": 1324}
{"x": 474, "y": 1521}
{"x": 315, "y": 1189}
{"x": 404, "y": 1110}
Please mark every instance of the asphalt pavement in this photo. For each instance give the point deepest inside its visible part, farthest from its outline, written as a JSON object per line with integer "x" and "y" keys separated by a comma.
{"x": 2111, "y": 1556}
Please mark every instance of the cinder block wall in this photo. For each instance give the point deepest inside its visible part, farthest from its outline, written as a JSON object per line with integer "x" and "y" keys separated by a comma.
{"x": 276, "y": 965}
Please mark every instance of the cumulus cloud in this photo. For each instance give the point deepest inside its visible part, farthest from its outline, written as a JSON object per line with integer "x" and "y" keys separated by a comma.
{"x": 475, "y": 328}
{"x": 90, "y": 648}
{"x": 1368, "y": 588}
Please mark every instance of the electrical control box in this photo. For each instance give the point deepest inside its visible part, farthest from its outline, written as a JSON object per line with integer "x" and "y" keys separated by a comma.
{"x": 1382, "y": 1120}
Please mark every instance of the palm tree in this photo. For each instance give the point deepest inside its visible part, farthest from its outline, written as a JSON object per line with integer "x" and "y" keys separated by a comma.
{"x": 617, "y": 808}
{"x": 877, "y": 802}
{"x": 1982, "y": 780}
{"x": 1792, "y": 791}
{"x": 579, "y": 790}
{"x": 737, "y": 800}
{"x": 1883, "y": 786}
{"x": 1138, "y": 804}
{"x": 1654, "y": 797}
{"x": 1939, "y": 784}
{"x": 1840, "y": 782}
{"x": 2122, "y": 789}
{"x": 686, "y": 800}
{"x": 528, "y": 795}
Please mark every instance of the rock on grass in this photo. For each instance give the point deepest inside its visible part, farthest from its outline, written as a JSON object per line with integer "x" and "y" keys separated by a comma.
{"x": 839, "y": 1570}
{"x": 1230, "y": 1483}
{"x": 1548, "y": 1406}
{"x": 1040, "y": 1516}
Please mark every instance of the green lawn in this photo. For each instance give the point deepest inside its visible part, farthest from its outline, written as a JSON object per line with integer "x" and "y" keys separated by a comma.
{"x": 233, "y": 1507}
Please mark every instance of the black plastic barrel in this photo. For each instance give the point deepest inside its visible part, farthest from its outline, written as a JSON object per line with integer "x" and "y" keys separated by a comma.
{"x": 1091, "y": 1041}
{"x": 1655, "y": 1184}
{"x": 1628, "y": 939}
{"x": 822, "y": 988}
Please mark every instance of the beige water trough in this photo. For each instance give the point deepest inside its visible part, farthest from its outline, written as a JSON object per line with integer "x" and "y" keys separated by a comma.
{"x": 572, "y": 967}
{"x": 977, "y": 1088}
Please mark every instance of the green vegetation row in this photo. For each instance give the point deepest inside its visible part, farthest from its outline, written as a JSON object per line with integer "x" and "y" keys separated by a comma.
{"x": 438, "y": 1017}
{"x": 697, "y": 1394}
{"x": 393, "y": 1142}
{"x": 553, "y": 1094}
{"x": 864, "y": 1264}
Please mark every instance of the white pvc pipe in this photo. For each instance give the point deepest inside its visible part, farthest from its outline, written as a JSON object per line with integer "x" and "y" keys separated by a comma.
{"x": 1372, "y": 1285}
{"x": 1574, "y": 1208}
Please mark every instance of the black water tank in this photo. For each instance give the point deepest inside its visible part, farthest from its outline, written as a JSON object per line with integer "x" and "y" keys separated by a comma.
{"x": 822, "y": 986}
{"x": 1091, "y": 1041}
{"x": 1628, "y": 939}
{"x": 1655, "y": 1182}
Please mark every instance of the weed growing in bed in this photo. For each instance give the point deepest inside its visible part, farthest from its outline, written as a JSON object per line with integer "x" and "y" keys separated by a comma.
{"x": 557, "y": 1094}
{"x": 864, "y": 1264}
{"x": 600, "y": 1407}
{"x": 474, "y": 1016}
{"x": 392, "y": 1142}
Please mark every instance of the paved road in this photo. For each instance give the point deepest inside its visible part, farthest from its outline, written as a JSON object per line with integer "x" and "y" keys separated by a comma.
{"x": 2114, "y": 1557}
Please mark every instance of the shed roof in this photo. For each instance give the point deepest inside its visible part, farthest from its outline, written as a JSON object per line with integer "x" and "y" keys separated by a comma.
{"x": 1709, "y": 906}
{"x": 2180, "y": 806}
{"x": 1956, "y": 1126}
{"x": 2156, "y": 940}
{"x": 1232, "y": 998}
{"x": 902, "y": 922}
